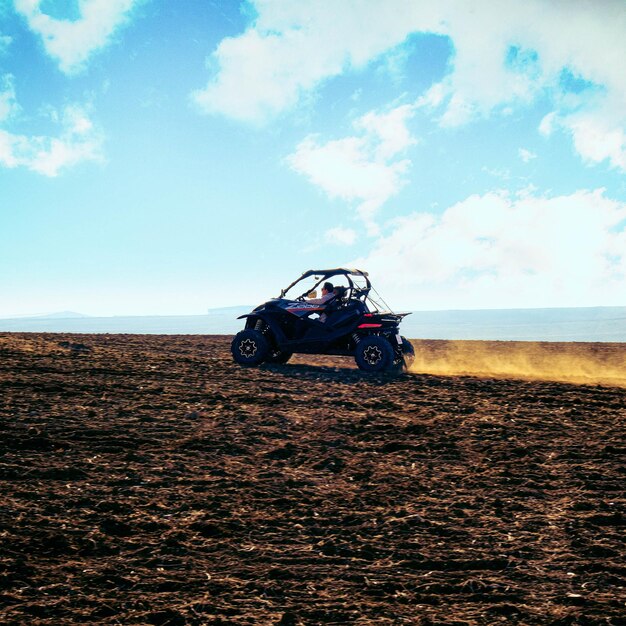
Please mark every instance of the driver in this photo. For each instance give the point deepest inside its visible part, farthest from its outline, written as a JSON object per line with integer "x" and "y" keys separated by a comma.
{"x": 327, "y": 294}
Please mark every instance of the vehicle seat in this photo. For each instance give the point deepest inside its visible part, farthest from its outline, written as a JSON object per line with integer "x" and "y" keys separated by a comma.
{"x": 345, "y": 313}
{"x": 337, "y": 302}
{"x": 333, "y": 305}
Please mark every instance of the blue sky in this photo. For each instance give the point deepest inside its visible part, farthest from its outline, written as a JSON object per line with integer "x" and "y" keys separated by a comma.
{"x": 162, "y": 157}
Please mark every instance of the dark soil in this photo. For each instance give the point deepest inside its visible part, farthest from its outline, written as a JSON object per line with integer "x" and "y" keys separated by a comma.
{"x": 149, "y": 480}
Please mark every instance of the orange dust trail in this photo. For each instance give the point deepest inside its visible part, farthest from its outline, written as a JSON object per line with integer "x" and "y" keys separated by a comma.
{"x": 586, "y": 363}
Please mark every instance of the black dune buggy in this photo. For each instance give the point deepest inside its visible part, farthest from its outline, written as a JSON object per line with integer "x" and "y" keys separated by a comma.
{"x": 352, "y": 323}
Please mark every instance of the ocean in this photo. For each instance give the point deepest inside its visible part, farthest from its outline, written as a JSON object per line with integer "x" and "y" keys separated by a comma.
{"x": 595, "y": 324}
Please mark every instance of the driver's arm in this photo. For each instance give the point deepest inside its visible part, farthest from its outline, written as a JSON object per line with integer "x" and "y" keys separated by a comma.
{"x": 323, "y": 300}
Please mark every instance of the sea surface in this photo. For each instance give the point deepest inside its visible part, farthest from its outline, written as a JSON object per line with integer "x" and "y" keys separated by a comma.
{"x": 601, "y": 324}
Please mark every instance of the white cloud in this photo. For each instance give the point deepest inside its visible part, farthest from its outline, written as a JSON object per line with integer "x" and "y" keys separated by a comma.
{"x": 526, "y": 155}
{"x": 359, "y": 168}
{"x": 505, "y": 54}
{"x": 495, "y": 251}
{"x": 292, "y": 46}
{"x": 390, "y": 129}
{"x": 548, "y": 124}
{"x": 596, "y": 137}
{"x": 71, "y": 43}
{"x": 522, "y": 50}
{"x": 78, "y": 141}
{"x": 340, "y": 236}
{"x": 8, "y": 103}
{"x": 5, "y": 42}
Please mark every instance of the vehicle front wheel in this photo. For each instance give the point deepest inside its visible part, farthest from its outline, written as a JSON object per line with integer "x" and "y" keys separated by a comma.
{"x": 249, "y": 347}
{"x": 374, "y": 354}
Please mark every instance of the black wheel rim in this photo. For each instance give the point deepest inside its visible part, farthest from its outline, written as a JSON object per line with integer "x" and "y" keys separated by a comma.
{"x": 247, "y": 348}
{"x": 372, "y": 355}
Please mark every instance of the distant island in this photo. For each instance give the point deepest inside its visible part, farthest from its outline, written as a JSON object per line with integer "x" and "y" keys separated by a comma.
{"x": 60, "y": 315}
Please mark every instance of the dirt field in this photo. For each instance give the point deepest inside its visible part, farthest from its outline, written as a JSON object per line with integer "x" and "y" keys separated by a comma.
{"x": 149, "y": 480}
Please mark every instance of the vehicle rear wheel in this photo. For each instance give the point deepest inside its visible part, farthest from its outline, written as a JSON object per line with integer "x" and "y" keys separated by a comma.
{"x": 249, "y": 347}
{"x": 278, "y": 356}
{"x": 374, "y": 354}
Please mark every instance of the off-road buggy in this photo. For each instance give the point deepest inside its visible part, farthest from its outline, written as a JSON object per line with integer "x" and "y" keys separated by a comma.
{"x": 353, "y": 323}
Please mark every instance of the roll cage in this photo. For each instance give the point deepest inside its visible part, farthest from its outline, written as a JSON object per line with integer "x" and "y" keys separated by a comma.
{"x": 359, "y": 286}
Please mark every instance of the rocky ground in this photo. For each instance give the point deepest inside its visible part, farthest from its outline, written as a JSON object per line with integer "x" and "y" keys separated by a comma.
{"x": 149, "y": 480}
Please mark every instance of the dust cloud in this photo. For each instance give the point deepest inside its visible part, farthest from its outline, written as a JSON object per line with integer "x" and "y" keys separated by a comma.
{"x": 584, "y": 363}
